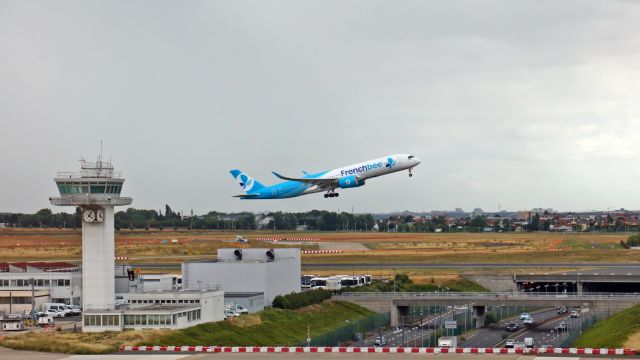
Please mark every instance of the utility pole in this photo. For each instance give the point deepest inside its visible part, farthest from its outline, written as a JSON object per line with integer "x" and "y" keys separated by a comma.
{"x": 33, "y": 299}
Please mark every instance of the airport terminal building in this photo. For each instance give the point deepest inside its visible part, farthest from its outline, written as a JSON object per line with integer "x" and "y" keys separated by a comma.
{"x": 57, "y": 282}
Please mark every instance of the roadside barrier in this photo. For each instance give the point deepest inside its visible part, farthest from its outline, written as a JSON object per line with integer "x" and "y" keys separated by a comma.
{"x": 321, "y": 251}
{"x": 121, "y": 258}
{"x": 342, "y": 349}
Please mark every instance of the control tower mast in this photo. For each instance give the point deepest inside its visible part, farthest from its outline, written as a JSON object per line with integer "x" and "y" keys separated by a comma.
{"x": 96, "y": 189}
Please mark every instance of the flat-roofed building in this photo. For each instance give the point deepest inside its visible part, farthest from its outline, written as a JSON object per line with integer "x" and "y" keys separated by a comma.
{"x": 160, "y": 310}
{"x": 269, "y": 271}
{"x": 62, "y": 281}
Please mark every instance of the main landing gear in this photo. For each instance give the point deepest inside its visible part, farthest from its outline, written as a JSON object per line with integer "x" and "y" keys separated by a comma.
{"x": 410, "y": 174}
{"x": 331, "y": 193}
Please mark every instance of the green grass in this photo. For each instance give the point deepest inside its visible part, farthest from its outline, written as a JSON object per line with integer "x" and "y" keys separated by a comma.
{"x": 612, "y": 332}
{"x": 461, "y": 285}
{"x": 274, "y": 327}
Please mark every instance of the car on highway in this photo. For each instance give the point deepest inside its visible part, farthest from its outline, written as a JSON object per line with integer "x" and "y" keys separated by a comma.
{"x": 562, "y": 310}
{"x": 528, "y": 321}
{"x": 544, "y": 347}
{"x": 574, "y": 314}
{"x": 509, "y": 343}
{"x": 380, "y": 341}
{"x": 512, "y": 326}
{"x": 524, "y": 315}
{"x": 562, "y": 326}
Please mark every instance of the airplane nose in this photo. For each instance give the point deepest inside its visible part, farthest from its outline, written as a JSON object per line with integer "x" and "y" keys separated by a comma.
{"x": 417, "y": 160}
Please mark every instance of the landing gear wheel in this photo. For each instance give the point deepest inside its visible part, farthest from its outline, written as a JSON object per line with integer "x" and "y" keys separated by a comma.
{"x": 410, "y": 174}
{"x": 336, "y": 195}
{"x": 326, "y": 196}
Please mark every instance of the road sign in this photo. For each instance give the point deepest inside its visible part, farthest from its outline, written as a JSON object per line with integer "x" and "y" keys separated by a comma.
{"x": 450, "y": 324}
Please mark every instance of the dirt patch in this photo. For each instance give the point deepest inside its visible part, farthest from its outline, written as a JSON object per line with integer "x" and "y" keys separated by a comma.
{"x": 349, "y": 246}
{"x": 247, "y": 320}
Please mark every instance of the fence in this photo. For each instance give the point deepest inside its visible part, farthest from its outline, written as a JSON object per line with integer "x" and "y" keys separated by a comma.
{"x": 349, "y": 331}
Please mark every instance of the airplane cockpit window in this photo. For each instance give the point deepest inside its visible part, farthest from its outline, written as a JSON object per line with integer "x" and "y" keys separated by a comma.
{"x": 411, "y": 157}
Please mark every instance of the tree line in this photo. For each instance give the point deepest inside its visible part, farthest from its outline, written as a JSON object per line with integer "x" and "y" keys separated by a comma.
{"x": 132, "y": 218}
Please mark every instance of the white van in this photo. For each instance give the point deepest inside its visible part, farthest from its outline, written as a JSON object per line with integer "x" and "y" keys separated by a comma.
{"x": 55, "y": 306}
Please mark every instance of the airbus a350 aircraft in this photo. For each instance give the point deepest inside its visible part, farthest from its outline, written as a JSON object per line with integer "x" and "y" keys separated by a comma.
{"x": 341, "y": 178}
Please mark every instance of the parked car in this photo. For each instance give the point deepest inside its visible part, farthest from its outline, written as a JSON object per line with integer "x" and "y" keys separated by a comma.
{"x": 236, "y": 308}
{"x": 524, "y": 316}
{"x": 228, "y": 313}
{"x": 574, "y": 314}
{"x": 512, "y": 326}
{"x": 54, "y": 313}
{"x": 509, "y": 343}
{"x": 528, "y": 321}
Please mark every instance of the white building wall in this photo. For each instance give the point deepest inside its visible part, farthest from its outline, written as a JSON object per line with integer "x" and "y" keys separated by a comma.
{"x": 98, "y": 272}
{"x": 253, "y": 274}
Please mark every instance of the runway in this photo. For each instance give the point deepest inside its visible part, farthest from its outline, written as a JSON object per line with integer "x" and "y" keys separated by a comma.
{"x": 426, "y": 265}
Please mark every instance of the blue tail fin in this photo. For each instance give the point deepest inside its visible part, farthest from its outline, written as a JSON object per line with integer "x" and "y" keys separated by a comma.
{"x": 246, "y": 182}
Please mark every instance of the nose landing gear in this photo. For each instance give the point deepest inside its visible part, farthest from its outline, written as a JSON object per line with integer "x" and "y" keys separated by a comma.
{"x": 410, "y": 174}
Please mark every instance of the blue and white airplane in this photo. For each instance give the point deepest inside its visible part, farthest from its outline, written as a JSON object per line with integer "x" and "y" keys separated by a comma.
{"x": 341, "y": 178}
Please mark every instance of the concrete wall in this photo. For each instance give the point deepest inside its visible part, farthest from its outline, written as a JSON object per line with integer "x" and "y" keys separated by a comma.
{"x": 251, "y": 303}
{"x": 98, "y": 272}
{"x": 253, "y": 274}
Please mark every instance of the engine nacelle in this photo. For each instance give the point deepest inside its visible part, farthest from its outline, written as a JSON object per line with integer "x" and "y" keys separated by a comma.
{"x": 349, "y": 182}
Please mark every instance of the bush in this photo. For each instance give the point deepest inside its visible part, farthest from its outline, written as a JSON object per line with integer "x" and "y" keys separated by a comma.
{"x": 490, "y": 318}
{"x": 633, "y": 240}
{"x": 298, "y": 300}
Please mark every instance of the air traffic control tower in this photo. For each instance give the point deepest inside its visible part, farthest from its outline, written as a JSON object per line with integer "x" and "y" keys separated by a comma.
{"x": 96, "y": 190}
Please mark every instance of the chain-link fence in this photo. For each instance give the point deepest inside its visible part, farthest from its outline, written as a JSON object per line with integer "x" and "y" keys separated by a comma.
{"x": 347, "y": 331}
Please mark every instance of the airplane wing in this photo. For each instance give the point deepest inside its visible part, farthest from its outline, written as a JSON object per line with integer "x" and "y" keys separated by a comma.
{"x": 247, "y": 196}
{"x": 311, "y": 181}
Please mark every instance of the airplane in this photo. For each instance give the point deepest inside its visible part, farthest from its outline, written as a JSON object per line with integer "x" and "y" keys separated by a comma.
{"x": 341, "y": 178}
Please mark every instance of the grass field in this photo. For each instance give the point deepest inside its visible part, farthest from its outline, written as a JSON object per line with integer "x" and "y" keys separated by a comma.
{"x": 150, "y": 246}
{"x": 620, "y": 330}
{"x": 269, "y": 327}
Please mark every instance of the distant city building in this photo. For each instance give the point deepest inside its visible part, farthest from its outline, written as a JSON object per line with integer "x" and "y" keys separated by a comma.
{"x": 477, "y": 212}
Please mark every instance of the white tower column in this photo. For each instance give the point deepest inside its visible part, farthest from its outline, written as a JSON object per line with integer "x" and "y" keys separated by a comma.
{"x": 98, "y": 264}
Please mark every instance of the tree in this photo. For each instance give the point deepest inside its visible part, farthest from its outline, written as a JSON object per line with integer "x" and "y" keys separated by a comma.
{"x": 478, "y": 222}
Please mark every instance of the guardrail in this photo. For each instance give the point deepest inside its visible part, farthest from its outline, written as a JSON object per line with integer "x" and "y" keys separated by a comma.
{"x": 493, "y": 295}
{"x": 366, "y": 350}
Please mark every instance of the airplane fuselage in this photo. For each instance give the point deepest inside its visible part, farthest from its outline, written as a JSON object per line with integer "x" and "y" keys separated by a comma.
{"x": 348, "y": 176}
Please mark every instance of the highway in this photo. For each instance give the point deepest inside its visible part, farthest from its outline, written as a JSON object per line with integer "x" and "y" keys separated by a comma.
{"x": 424, "y": 265}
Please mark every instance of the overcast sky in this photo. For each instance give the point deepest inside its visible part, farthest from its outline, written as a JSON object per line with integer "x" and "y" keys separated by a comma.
{"x": 511, "y": 104}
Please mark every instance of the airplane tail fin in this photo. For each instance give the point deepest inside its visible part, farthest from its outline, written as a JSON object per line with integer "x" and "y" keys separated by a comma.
{"x": 246, "y": 182}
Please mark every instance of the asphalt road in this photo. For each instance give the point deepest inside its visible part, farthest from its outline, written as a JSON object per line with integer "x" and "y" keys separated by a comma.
{"x": 543, "y": 331}
{"x": 426, "y": 265}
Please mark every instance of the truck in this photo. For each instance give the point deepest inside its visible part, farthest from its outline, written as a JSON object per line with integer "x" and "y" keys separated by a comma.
{"x": 448, "y": 342}
{"x": 528, "y": 342}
